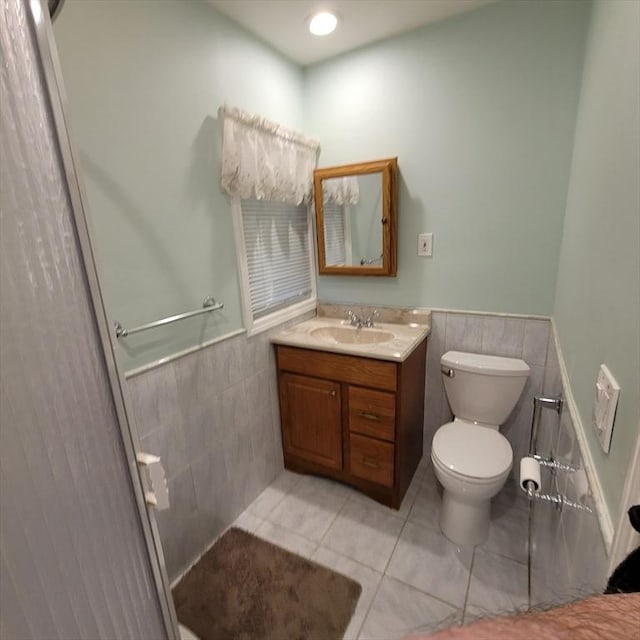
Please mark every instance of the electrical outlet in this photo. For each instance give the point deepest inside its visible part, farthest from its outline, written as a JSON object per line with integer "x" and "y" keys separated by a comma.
{"x": 425, "y": 244}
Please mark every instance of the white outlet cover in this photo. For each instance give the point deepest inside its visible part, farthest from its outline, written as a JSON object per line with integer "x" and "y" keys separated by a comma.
{"x": 607, "y": 392}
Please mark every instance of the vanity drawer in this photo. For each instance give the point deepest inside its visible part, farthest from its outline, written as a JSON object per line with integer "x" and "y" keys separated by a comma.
{"x": 371, "y": 459}
{"x": 378, "y": 374}
{"x": 372, "y": 413}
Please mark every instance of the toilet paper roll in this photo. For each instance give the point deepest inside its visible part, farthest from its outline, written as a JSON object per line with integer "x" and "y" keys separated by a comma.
{"x": 530, "y": 472}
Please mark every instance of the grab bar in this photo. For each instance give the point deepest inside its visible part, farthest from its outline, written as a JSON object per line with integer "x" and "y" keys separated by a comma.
{"x": 208, "y": 304}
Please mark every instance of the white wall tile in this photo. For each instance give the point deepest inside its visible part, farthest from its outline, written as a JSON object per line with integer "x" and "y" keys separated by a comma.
{"x": 536, "y": 341}
{"x": 213, "y": 413}
{"x": 155, "y": 400}
{"x": 517, "y": 428}
{"x": 464, "y": 332}
{"x": 503, "y": 336}
{"x": 168, "y": 443}
{"x": 568, "y": 556}
{"x": 434, "y": 387}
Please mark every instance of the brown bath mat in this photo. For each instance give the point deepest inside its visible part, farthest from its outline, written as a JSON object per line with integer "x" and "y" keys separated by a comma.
{"x": 244, "y": 588}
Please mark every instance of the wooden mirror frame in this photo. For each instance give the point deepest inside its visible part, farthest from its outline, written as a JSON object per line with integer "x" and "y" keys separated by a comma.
{"x": 389, "y": 170}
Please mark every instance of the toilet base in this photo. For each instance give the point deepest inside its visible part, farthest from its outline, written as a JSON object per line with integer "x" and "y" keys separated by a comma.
{"x": 464, "y": 523}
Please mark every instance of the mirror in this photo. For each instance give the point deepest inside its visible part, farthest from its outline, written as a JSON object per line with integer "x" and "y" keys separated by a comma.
{"x": 356, "y": 218}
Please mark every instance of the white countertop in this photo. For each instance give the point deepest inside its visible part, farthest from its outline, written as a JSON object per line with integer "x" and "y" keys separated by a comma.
{"x": 406, "y": 337}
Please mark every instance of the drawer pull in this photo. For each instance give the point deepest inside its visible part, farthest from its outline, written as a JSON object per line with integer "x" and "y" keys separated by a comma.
{"x": 332, "y": 393}
{"x": 369, "y": 462}
{"x": 369, "y": 416}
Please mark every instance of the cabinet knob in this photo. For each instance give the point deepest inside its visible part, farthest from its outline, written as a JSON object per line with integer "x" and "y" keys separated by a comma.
{"x": 333, "y": 394}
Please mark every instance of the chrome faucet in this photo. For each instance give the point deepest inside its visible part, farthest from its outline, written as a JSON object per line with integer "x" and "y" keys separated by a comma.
{"x": 369, "y": 320}
{"x": 354, "y": 319}
{"x": 357, "y": 321}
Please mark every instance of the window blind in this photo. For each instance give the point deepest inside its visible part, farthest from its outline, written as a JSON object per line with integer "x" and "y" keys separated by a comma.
{"x": 276, "y": 238}
{"x": 334, "y": 233}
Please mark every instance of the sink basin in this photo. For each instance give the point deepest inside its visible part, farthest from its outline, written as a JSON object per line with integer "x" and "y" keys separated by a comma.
{"x": 351, "y": 335}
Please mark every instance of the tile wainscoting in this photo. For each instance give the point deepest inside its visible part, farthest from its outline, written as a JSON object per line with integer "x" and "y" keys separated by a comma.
{"x": 511, "y": 336}
{"x": 213, "y": 417}
{"x": 568, "y": 555}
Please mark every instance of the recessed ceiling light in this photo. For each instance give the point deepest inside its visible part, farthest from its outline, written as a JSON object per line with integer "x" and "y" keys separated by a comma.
{"x": 322, "y": 24}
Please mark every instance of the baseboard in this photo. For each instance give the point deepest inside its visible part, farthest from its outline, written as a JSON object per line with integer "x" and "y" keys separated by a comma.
{"x": 601, "y": 507}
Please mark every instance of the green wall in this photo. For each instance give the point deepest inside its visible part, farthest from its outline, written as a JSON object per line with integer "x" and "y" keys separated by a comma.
{"x": 480, "y": 110}
{"x": 597, "y": 306}
{"x": 144, "y": 81}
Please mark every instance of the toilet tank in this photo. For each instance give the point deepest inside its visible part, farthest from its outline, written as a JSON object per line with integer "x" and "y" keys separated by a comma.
{"x": 482, "y": 388}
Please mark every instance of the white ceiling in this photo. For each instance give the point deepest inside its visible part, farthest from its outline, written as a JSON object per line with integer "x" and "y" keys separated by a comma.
{"x": 283, "y": 23}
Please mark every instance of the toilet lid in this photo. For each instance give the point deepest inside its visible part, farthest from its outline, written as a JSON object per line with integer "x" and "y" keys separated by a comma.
{"x": 472, "y": 450}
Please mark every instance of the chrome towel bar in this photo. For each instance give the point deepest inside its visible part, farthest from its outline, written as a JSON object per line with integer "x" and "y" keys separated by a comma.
{"x": 208, "y": 304}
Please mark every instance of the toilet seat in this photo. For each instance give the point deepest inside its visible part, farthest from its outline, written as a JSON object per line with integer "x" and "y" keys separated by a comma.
{"x": 471, "y": 451}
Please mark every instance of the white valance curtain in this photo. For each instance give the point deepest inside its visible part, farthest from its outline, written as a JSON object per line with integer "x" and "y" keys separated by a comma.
{"x": 343, "y": 190}
{"x": 262, "y": 160}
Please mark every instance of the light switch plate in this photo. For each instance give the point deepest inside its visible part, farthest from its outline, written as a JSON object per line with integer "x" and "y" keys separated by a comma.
{"x": 604, "y": 406}
{"x": 425, "y": 244}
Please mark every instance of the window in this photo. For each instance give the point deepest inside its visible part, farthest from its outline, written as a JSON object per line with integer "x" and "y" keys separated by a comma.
{"x": 334, "y": 233}
{"x": 275, "y": 260}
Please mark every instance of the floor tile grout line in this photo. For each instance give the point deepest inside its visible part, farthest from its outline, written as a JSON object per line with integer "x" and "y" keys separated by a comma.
{"x": 361, "y": 564}
{"x": 351, "y": 498}
{"x": 291, "y": 531}
{"x": 426, "y": 593}
{"x": 468, "y": 589}
{"x": 285, "y": 495}
{"x": 324, "y": 535}
{"x": 368, "y": 611}
{"x": 395, "y": 546}
{"x": 358, "y": 562}
{"x": 422, "y": 590}
{"x": 316, "y": 542}
{"x": 500, "y": 555}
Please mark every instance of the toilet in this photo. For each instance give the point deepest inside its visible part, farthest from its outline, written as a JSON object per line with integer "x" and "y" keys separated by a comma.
{"x": 471, "y": 458}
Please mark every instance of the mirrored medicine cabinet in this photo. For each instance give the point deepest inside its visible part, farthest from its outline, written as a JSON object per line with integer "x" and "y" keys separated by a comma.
{"x": 357, "y": 218}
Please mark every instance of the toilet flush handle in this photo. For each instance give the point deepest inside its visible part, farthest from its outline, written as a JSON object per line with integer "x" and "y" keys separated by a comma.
{"x": 448, "y": 372}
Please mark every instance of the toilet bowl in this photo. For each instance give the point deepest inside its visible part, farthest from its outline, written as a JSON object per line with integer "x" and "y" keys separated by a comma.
{"x": 472, "y": 463}
{"x": 471, "y": 458}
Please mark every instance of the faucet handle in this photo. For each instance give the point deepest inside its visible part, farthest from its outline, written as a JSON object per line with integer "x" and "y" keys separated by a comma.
{"x": 369, "y": 321}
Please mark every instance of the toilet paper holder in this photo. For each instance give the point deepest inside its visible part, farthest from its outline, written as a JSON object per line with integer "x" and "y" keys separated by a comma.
{"x": 531, "y": 485}
{"x": 558, "y": 499}
{"x": 553, "y": 464}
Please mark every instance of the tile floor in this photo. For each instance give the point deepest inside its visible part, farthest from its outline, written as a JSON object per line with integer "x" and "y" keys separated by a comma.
{"x": 413, "y": 579}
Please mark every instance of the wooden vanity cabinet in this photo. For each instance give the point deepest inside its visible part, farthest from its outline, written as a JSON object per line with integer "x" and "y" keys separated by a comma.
{"x": 356, "y": 420}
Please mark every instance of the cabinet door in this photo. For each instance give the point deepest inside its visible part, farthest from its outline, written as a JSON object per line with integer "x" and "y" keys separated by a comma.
{"x": 311, "y": 419}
